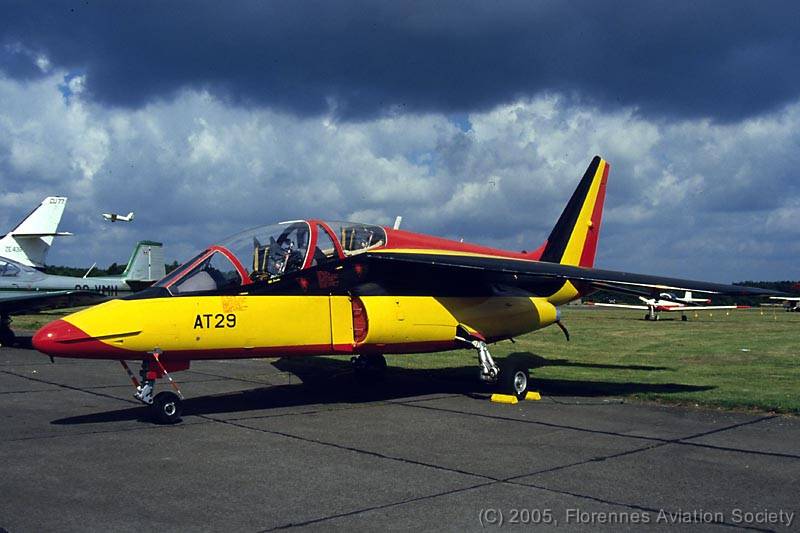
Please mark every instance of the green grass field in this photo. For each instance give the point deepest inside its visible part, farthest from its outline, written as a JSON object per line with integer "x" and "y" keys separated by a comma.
{"x": 745, "y": 359}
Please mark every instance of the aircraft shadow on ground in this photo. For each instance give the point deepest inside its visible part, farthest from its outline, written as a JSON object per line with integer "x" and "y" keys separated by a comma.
{"x": 331, "y": 381}
{"x": 23, "y": 342}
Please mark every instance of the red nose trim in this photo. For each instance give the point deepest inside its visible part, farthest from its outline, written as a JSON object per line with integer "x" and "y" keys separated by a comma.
{"x": 62, "y": 339}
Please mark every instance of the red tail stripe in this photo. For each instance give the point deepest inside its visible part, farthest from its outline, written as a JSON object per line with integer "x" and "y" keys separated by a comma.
{"x": 590, "y": 246}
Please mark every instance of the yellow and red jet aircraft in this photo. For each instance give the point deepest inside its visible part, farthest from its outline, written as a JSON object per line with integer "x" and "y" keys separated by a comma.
{"x": 312, "y": 287}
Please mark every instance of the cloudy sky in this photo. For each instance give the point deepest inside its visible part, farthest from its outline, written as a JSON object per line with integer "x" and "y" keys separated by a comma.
{"x": 470, "y": 119}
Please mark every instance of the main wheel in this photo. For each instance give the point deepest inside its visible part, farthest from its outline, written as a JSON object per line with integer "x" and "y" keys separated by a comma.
{"x": 167, "y": 407}
{"x": 514, "y": 379}
{"x": 647, "y": 316}
{"x": 369, "y": 368}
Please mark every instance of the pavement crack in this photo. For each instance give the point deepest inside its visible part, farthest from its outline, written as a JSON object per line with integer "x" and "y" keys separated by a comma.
{"x": 377, "y": 507}
{"x": 536, "y": 422}
{"x": 349, "y": 448}
{"x": 68, "y": 387}
{"x": 633, "y": 506}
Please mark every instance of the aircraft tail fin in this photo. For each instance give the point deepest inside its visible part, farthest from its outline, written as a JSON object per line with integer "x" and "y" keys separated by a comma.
{"x": 30, "y": 240}
{"x": 130, "y": 217}
{"x": 146, "y": 262}
{"x": 573, "y": 240}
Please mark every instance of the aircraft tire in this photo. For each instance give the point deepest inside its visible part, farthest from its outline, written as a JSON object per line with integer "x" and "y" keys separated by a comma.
{"x": 167, "y": 407}
{"x": 684, "y": 318}
{"x": 514, "y": 379}
{"x": 369, "y": 368}
{"x": 647, "y": 317}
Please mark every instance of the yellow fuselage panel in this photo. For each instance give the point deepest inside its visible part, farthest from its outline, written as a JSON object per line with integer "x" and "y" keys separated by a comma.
{"x": 320, "y": 324}
{"x": 210, "y": 322}
{"x": 419, "y": 319}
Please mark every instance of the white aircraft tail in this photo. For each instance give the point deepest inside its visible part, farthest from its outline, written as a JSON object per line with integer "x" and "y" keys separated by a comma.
{"x": 146, "y": 262}
{"x": 30, "y": 240}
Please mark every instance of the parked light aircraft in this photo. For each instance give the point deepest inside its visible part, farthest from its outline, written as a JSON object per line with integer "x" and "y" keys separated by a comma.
{"x": 789, "y": 302}
{"x": 113, "y": 217}
{"x": 30, "y": 240}
{"x": 23, "y": 289}
{"x": 670, "y": 303}
{"x": 312, "y": 287}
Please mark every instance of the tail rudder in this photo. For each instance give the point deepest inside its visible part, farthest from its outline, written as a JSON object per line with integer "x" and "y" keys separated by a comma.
{"x": 33, "y": 236}
{"x": 146, "y": 262}
{"x": 130, "y": 217}
{"x": 573, "y": 240}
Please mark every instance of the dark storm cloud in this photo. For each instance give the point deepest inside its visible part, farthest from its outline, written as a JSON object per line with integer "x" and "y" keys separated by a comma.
{"x": 724, "y": 60}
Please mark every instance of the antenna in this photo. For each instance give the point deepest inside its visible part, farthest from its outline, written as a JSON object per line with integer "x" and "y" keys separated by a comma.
{"x": 397, "y": 222}
{"x": 90, "y": 269}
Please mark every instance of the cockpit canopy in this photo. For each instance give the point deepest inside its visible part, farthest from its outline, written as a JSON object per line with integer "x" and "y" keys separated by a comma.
{"x": 12, "y": 270}
{"x": 269, "y": 252}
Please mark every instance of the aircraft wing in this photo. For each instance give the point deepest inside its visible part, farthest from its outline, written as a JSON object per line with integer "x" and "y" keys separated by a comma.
{"x": 39, "y": 301}
{"x": 622, "y": 306}
{"x": 432, "y": 269}
{"x": 37, "y": 235}
{"x": 701, "y": 308}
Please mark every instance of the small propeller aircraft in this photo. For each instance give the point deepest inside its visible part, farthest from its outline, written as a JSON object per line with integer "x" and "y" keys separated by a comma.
{"x": 314, "y": 287}
{"x": 113, "y": 217}
{"x": 670, "y": 303}
{"x": 790, "y": 303}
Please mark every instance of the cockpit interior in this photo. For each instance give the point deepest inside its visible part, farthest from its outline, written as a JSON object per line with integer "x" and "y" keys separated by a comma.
{"x": 266, "y": 253}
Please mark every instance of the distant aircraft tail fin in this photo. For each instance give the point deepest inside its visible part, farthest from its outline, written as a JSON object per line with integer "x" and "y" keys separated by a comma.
{"x": 573, "y": 240}
{"x": 130, "y": 217}
{"x": 30, "y": 240}
{"x": 146, "y": 262}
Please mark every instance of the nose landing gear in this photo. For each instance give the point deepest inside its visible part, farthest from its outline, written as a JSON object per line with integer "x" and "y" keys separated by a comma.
{"x": 166, "y": 406}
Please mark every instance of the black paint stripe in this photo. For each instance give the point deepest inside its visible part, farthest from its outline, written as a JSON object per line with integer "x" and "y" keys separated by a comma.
{"x": 559, "y": 237}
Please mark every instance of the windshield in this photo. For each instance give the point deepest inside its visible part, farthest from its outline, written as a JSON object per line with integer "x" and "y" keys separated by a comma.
{"x": 215, "y": 272}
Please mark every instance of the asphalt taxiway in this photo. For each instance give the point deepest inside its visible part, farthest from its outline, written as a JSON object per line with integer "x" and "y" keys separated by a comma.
{"x": 298, "y": 445}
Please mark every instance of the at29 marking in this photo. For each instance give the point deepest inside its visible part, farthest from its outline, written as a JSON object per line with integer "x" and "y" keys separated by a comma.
{"x": 209, "y": 320}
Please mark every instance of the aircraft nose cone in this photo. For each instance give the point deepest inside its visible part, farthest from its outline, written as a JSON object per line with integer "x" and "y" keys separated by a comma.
{"x": 54, "y": 338}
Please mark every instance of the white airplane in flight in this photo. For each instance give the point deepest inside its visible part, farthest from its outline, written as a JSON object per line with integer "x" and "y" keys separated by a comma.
{"x": 113, "y": 217}
{"x": 30, "y": 240}
{"x": 668, "y": 302}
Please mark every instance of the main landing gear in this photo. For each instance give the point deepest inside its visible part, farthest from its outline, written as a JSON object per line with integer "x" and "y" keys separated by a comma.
{"x": 651, "y": 314}
{"x": 7, "y": 337}
{"x": 368, "y": 368}
{"x": 512, "y": 378}
{"x": 166, "y": 406}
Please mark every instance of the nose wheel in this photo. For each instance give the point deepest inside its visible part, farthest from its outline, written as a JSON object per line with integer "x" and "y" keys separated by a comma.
{"x": 167, "y": 407}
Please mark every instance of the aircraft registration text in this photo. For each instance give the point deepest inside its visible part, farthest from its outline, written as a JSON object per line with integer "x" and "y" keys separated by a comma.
{"x": 218, "y": 320}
